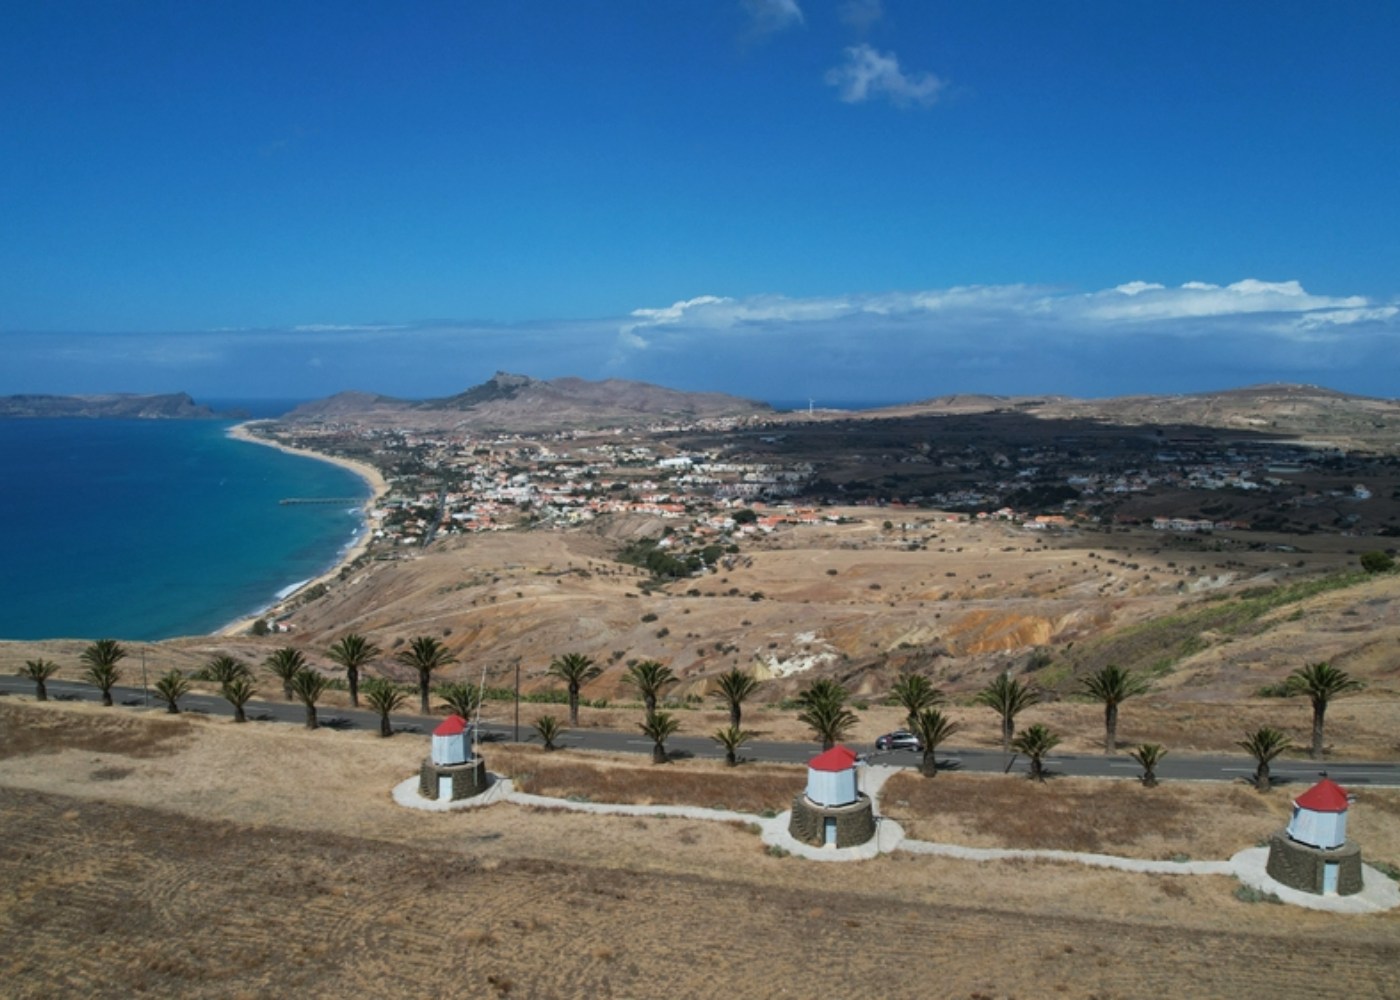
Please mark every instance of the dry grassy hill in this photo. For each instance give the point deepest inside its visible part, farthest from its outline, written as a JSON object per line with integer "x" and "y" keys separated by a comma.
{"x": 859, "y": 603}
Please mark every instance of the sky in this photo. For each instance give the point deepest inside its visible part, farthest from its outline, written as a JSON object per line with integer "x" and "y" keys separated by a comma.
{"x": 851, "y": 200}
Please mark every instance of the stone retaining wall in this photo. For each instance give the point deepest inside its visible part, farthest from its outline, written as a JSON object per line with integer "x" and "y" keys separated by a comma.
{"x": 468, "y": 779}
{"x": 1301, "y": 866}
{"x": 855, "y": 823}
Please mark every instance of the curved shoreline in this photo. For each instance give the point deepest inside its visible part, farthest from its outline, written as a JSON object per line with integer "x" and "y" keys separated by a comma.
{"x": 379, "y": 487}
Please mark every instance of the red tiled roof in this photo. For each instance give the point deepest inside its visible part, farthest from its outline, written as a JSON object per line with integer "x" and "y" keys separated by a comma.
{"x": 1325, "y": 797}
{"x": 453, "y": 726}
{"x": 838, "y": 758}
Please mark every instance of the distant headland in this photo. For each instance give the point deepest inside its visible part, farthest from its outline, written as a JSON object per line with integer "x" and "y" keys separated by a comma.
{"x": 168, "y": 406}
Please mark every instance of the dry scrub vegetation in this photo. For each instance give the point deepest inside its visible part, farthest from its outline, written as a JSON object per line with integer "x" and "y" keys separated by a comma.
{"x": 221, "y": 860}
{"x": 752, "y": 788}
{"x": 1196, "y": 820}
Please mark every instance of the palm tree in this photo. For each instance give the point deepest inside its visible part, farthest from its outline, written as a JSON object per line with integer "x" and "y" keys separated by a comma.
{"x": 1264, "y": 744}
{"x": 1321, "y": 682}
{"x": 384, "y": 697}
{"x": 286, "y": 663}
{"x": 461, "y": 699}
{"x": 1008, "y": 698}
{"x": 549, "y": 729}
{"x": 238, "y": 692}
{"x": 824, "y": 710}
{"x": 353, "y": 652}
{"x": 1113, "y": 685}
{"x": 39, "y": 671}
{"x": 224, "y": 669}
{"x": 1149, "y": 755}
{"x": 824, "y": 690}
{"x": 575, "y": 670}
{"x": 101, "y": 659}
{"x": 1035, "y": 742}
{"x": 308, "y": 685}
{"x": 170, "y": 689}
{"x": 932, "y": 727}
{"x": 425, "y": 654}
{"x": 649, "y": 677}
{"x": 916, "y": 693}
{"x": 734, "y": 687}
{"x": 659, "y": 728}
{"x": 732, "y": 738}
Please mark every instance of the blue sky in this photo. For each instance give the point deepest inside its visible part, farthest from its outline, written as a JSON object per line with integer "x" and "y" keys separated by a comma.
{"x": 875, "y": 200}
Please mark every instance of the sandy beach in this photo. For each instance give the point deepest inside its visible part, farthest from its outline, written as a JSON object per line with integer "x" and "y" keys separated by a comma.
{"x": 379, "y": 486}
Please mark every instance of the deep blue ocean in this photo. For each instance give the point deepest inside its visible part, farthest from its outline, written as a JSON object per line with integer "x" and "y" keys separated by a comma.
{"x": 147, "y": 529}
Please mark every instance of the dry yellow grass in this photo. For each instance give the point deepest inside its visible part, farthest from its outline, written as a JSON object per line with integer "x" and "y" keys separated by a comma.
{"x": 1197, "y": 820}
{"x": 752, "y": 788}
{"x": 248, "y": 860}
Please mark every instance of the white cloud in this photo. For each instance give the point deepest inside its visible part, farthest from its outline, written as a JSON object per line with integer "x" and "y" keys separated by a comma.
{"x": 861, "y": 14}
{"x": 1140, "y": 336}
{"x": 867, "y": 74}
{"x": 769, "y": 16}
{"x": 1143, "y": 301}
{"x": 1278, "y": 310}
{"x": 346, "y": 327}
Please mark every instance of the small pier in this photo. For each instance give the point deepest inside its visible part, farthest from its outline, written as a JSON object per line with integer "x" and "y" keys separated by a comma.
{"x": 343, "y": 501}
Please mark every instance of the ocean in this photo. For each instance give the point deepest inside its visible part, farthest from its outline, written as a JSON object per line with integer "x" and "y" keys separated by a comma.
{"x": 148, "y": 529}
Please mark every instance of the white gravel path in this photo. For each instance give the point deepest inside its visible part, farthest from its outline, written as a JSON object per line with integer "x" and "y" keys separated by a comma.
{"x": 1378, "y": 893}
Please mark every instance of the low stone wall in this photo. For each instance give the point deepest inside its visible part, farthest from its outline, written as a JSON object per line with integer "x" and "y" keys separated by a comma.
{"x": 468, "y": 779}
{"x": 855, "y": 823}
{"x": 1300, "y": 866}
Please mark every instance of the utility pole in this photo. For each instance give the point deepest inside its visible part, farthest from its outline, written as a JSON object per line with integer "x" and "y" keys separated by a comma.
{"x": 517, "y": 699}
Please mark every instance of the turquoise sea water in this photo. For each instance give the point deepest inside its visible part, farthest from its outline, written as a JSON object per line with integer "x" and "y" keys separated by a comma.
{"x": 146, "y": 529}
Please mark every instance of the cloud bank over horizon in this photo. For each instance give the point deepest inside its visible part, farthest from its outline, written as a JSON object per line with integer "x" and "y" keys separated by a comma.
{"x": 1138, "y": 336}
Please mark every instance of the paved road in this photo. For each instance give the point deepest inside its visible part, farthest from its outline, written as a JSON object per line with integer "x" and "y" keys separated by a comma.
{"x": 1199, "y": 767}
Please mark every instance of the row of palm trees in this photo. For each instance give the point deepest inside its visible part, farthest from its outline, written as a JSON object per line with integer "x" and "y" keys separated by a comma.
{"x": 650, "y": 678}
{"x": 823, "y": 710}
{"x": 822, "y": 705}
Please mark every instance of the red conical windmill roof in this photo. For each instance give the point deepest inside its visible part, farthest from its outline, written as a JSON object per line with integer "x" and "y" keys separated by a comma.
{"x": 1325, "y": 797}
{"x": 838, "y": 758}
{"x": 452, "y": 726}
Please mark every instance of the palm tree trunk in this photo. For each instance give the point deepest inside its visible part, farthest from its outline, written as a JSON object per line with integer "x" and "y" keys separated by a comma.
{"x": 1319, "y": 710}
{"x": 1110, "y": 728}
{"x": 384, "y": 728}
{"x": 573, "y": 705}
{"x": 352, "y": 677}
{"x": 238, "y": 714}
{"x": 1149, "y": 778}
{"x": 658, "y": 754}
{"x": 1008, "y": 728}
{"x": 650, "y": 700}
{"x": 1261, "y": 777}
{"x": 734, "y": 714}
{"x": 929, "y": 766}
{"x": 423, "y": 693}
{"x": 1037, "y": 771}
{"x": 731, "y": 758}
{"x": 107, "y": 697}
{"x": 41, "y": 693}
{"x": 171, "y": 708}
